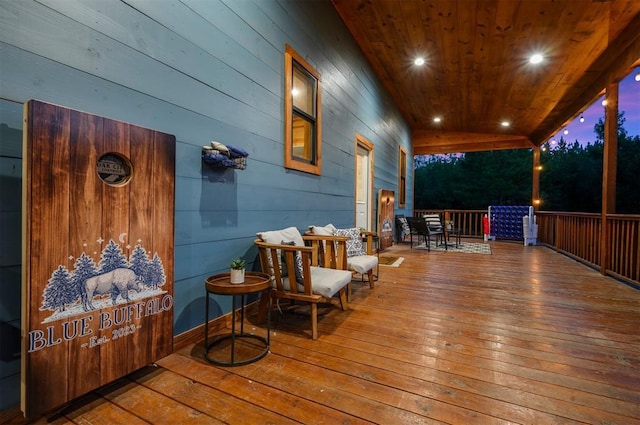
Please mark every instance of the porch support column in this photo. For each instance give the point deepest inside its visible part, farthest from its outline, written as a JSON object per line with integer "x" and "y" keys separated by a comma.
{"x": 609, "y": 166}
{"x": 535, "y": 183}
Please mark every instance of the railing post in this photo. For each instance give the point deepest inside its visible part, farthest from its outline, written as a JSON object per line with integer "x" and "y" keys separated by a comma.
{"x": 535, "y": 182}
{"x": 609, "y": 165}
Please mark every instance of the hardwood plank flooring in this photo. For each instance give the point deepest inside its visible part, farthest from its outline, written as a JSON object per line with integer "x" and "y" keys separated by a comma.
{"x": 522, "y": 336}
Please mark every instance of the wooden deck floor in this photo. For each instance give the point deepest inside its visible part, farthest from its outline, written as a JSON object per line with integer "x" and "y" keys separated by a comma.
{"x": 524, "y": 336}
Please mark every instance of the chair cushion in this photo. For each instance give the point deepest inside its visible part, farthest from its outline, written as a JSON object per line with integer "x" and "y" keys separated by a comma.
{"x": 362, "y": 263}
{"x": 297, "y": 258}
{"x": 325, "y": 281}
{"x": 328, "y": 230}
{"x": 277, "y": 236}
{"x": 354, "y": 244}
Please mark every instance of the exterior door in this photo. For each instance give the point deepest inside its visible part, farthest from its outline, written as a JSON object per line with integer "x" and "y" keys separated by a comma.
{"x": 364, "y": 183}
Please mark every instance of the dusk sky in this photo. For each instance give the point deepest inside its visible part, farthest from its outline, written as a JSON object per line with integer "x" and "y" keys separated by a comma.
{"x": 629, "y": 102}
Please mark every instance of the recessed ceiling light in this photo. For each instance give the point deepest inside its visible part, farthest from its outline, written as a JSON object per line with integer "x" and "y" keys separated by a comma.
{"x": 505, "y": 123}
{"x": 419, "y": 61}
{"x": 535, "y": 59}
{"x": 437, "y": 119}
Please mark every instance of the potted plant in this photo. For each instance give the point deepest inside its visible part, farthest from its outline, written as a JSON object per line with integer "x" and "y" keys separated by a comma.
{"x": 237, "y": 270}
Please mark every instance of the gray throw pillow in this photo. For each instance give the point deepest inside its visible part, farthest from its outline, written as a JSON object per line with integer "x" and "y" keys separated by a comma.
{"x": 298, "y": 263}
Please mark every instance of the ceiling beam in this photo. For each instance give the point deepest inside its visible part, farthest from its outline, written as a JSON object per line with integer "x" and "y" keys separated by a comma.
{"x": 428, "y": 142}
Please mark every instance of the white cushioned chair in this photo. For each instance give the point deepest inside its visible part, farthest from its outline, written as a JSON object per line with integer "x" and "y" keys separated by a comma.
{"x": 360, "y": 257}
{"x": 297, "y": 272}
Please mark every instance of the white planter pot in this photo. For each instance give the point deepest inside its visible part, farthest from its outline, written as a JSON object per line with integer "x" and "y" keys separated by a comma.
{"x": 237, "y": 276}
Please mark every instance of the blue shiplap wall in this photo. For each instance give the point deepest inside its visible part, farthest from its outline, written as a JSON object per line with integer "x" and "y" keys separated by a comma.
{"x": 210, "y": 70}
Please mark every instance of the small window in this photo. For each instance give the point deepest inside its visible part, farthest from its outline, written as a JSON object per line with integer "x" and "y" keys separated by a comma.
{"x": 302, "y": 115}
{"x": 402, "y": 178}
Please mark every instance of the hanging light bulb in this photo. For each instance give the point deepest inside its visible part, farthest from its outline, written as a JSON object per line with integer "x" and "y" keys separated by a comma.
{"x": 638, "y": 76}
{"x": 581, "y": 118}
{"x": 566, "y": 131}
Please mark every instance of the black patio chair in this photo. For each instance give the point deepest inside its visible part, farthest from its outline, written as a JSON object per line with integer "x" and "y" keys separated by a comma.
{"x": 428, "y": 229}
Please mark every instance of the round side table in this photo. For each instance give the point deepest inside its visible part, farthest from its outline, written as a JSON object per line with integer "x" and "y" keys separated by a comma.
{"x": 220, "y": 284}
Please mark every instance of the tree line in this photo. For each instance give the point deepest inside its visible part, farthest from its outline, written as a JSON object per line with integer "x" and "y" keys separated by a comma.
{"x": 570, "y": 179}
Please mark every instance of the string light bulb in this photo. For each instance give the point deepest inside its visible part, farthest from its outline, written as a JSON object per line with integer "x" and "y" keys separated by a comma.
{"x": 581, "y": 118}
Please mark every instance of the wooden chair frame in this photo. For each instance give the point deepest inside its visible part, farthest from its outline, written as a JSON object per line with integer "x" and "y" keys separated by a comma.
{"x": 331, "y": 257}
{"x": 367, "y": 239}
{"x": 341, "y": 254}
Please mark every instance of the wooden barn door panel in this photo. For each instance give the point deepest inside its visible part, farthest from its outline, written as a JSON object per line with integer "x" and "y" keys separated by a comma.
{"x": 90, "y": 242}
{"x": 386, "y": 205}
{"x": 47, "y": 372}
{"x": 85, "y": 205}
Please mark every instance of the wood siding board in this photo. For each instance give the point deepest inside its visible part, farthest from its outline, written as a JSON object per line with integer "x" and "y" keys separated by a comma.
{"x": 122, "y": 65}
{"x": 22, "y": 68}
{"x": 156, "y": 33}
{"x": 249, "y": 30}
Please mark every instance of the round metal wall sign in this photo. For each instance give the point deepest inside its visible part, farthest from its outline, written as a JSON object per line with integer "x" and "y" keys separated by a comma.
{"x": 114, "y": 169}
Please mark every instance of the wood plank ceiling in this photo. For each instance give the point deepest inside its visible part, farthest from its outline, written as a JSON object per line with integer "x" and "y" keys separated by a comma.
{"x": 477, "y": 71}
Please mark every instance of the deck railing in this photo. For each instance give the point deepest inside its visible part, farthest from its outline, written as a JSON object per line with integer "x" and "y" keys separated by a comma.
{"x": 468, "y": 221}
{"x": 577, "y": 235}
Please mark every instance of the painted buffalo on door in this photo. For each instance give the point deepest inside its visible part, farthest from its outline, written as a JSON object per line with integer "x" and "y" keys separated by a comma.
{"x": 116, "y": 282}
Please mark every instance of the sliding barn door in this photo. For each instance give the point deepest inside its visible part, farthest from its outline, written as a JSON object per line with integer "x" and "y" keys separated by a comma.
{"x": 98, "y": 224}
